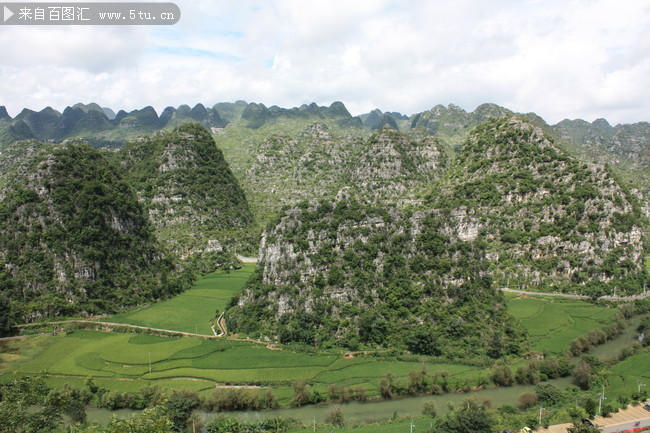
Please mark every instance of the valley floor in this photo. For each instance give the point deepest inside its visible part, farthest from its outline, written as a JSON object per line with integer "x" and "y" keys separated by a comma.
{"x": 199, "y": 362}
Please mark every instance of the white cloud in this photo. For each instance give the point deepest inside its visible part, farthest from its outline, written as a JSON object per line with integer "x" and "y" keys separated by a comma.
{"x": 571, "y": 58}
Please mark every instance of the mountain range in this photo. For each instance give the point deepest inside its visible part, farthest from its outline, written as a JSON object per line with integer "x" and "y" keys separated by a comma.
{"x": 367, "y": 228}
{"x": 624, "y": 147}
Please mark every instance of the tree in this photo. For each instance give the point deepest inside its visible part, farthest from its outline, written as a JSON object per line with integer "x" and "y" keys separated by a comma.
{"x": 473, "y": 419}
{"x": 27, "y": 406}
{"x": 72, "y": 402}
{"x": 301, "y": 395}
{"x": 548, "y": 393}
{"x": 591, "y": 407}
{"x": 386, "y": 387}
{"x": 417, "y": 381}
{"x": 583, "y": 428}
{"x": 502, "y": 376}
{"x": 527, "y": 374}
{"x": 335, "y": 417}
{"x": 583, "y": 375}
{"x": 270, "y": 400}
{"x": 179, "y": 407}
{"x": 154, "y": 420}
{"x": 429, "y": 408}
{"x": 423, "y": 340}
{"x": 6, "y": 326}
{"x": 526, "y": 400}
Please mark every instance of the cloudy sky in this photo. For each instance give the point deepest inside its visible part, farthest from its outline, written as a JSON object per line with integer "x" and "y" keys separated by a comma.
{"x": 558, "y": 58}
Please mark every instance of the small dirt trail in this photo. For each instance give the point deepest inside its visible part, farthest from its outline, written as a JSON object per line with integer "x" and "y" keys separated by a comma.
{"x": 247, "y": 259}
{"x": 571, "y": 296}
{"x": 221, "y": 323}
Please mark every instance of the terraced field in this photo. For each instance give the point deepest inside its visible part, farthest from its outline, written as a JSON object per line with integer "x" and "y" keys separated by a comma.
{"x": 552, "y": 324}
{"x": 128, "y": 362}
{"x": 625, "y": 375}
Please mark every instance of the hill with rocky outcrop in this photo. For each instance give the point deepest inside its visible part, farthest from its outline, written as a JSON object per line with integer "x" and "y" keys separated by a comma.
{"x": 623, "y": 147}
{"x": 74, "y": 238}
{"x": 512, "y": 209}
{"x": 388, "y": 166}
{"x": 551, "y": 221}
{"x": 189, "y": 192}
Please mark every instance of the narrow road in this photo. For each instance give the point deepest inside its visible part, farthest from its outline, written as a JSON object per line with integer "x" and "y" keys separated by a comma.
{"x": 247, "y": 259}
{"x": 571, "y": 296}
{"x": 631, "y": 417}
{"x": 222, "y": 327}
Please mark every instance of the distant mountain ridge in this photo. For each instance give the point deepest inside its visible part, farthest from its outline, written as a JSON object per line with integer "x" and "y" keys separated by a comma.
{"x": 103, "y": 127}
{"x": 625, "y": 148}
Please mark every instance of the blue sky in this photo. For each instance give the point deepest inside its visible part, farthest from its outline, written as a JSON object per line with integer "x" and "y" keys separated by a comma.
{"x": 561, "y": 59}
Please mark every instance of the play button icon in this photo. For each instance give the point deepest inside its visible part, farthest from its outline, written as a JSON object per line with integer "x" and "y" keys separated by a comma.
{"x": 7, "y": 14}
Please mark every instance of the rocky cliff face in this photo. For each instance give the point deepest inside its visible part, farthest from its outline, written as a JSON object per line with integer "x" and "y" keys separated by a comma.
{"x": 73, "y": 237}
{"x": 626, "y": 148}
{"x": 316, "y": 163}
{"x": 512, "y": 209}
{"x": 551, "y": 221}
{"x": 351, "y": 273}
{"x": 191, "y": 196}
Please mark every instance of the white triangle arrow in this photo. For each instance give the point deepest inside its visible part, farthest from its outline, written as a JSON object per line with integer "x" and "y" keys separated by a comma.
{"x": 8, "y": 13}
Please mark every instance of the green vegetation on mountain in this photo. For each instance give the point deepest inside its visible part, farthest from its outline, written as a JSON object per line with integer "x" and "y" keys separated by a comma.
{"x": 386, "y": 236}
{"x": 622, "y": 147}
{"x": 511, "y": 210}
{"x": 549, "y": 221}
{"x": 189, "y": 192}
{"x": 358, "y": 275}
{"x": 74, "y": 239}
{"x": 10, "y": 133}
{"x": 283, "y": 163}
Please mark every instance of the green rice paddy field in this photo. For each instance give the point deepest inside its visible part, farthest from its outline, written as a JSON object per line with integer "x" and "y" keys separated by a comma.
{"x": 128, "y": 362}
{"x": 194, "y": 310}
{"x": 552, "y": 324}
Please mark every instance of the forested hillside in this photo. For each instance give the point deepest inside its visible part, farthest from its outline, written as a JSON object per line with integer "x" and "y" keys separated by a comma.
{"x": 74, "y": 238}
{"x": 190, "y": 194}
{"x": 551, "y": 222}
{"x": 513, "y": 209}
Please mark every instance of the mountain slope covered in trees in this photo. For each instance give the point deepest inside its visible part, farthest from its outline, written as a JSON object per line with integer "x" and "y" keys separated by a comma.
{"x": 512, "y": 209}
{"x": 74, "y": 238}
{"x": 189, "y": 192}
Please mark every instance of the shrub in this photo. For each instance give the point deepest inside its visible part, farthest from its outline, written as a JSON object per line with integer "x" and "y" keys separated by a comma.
{"x": 335, "y": 417}
{"x": 526, "y": 400}
{"x": 429, "y": 408}
{"x": 502, "y": 376}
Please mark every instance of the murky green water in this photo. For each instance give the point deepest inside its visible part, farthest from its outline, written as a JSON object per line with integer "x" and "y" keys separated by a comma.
{"x": 376, "y": 410}
{"x": 384, "y": 409}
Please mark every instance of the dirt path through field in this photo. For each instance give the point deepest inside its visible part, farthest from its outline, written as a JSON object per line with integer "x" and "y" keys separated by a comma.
{"x": 568, "y": 295}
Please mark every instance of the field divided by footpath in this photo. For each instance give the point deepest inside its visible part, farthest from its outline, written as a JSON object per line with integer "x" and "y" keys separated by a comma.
{"x": 122, "y": 362}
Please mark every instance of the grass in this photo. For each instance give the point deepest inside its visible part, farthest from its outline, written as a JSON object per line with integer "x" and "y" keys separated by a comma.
{"x": 127, "y": 362}
{"x": 195, "y": 309}
{"x": 625, "y": 375}
{"x": 552, "y": 324}
{"x": 121, "y": 362}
